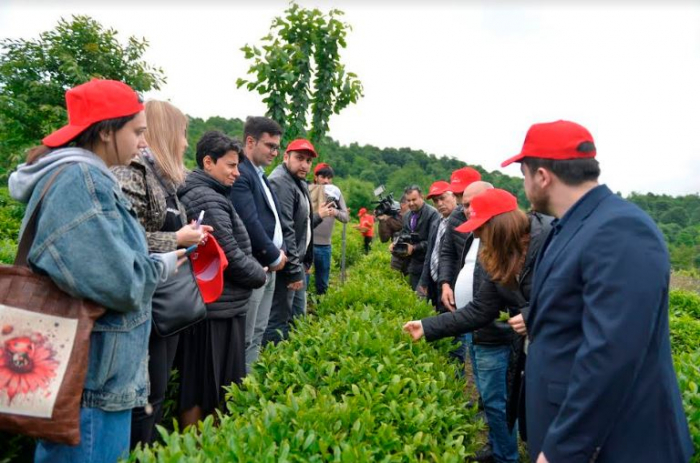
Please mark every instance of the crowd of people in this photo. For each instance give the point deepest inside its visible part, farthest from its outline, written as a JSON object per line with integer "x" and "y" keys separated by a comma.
{"x": 561, "y": 311}
{"x": 121, "y": 214}
{"x": 565, "y": 308}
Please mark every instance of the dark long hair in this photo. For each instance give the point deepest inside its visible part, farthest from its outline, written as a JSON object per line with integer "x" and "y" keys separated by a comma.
{"x": 505, "y": 240}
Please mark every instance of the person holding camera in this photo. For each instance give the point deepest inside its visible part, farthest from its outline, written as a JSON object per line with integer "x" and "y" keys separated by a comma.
{"x": 323, "y": 192}
{"x": 390, "y": 225}
{"x": 413, "y": 241}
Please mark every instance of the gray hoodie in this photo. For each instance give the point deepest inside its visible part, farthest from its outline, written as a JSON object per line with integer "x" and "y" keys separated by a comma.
{"x": 23, "y": 181}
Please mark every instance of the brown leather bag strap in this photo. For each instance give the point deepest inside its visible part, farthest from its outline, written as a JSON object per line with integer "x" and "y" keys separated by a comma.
{"x": 27, "y": 239}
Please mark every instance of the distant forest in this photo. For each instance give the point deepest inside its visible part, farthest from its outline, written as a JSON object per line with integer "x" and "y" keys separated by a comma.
{"x": 361, "y": 168}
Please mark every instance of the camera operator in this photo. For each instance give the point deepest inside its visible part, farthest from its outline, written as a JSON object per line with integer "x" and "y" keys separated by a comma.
{"x": 390, "y": 225}
{"x": 416, "y": 227}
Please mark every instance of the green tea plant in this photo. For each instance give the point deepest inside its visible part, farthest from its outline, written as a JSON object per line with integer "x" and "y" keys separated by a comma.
{"x": 348, "y": 385}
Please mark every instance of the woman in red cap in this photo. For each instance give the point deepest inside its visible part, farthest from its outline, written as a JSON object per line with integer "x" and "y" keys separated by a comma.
{"x": 91, "y": 246}
{"x": 509, "y": 243}
{"x": 150, "y": 182}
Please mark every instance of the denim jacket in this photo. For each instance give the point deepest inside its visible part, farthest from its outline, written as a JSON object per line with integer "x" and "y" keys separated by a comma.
{"x": 90, "y": 244}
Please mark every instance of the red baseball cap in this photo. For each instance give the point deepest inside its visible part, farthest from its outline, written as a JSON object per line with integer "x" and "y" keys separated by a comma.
{"x": 438, "y": 188}
{"x": 487, "y": 205}
{"x": 91, "y": 102}
{"x": 301, "y": 144}
{"x": 361, "y": 212}
{"x": 209, "y": 263}
{"x": 556, "y": 140}
{"x": 462, "y": 178}
{"x": 319, "y": 166}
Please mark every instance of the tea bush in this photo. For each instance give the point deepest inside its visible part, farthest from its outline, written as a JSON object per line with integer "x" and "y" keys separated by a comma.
{"x": 348, "y": 385}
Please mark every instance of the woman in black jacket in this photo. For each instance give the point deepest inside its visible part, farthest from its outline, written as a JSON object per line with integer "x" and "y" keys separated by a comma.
{"x": 510, "y": 242}
{"x": 213, "y": 352}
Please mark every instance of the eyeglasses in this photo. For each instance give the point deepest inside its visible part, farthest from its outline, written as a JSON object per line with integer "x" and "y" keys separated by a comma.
{"x": 272, "y": 147}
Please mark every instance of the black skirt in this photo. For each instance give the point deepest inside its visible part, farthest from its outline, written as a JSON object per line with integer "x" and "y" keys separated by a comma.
{"x": 211, "y": 355}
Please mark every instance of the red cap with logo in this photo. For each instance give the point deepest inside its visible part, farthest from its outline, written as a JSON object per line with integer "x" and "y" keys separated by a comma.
{"x": 301, "y": 144}
{"x": 560, "y": 140}
{"x": 209, "y": 263}
{"x": 487, "y": 205}
{"x": 319, "y": 166}
{"x": 462, "y": 178}
{"x": 91, "y": 102}
{"x": 438, "y": 188}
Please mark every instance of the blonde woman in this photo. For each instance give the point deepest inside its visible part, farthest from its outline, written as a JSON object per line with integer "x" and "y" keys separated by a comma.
{"x": 150, "y": 182}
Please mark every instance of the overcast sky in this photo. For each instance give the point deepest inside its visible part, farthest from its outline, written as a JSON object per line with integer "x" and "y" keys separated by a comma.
{"x": 463, "y": 79}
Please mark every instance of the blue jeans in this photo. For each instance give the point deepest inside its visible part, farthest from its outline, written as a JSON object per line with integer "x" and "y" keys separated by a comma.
{"x": 322, "y": 262}
{"x": 104, "y": 438}
{"x": 299, "y": 301}
{"x": 490, "y": 374}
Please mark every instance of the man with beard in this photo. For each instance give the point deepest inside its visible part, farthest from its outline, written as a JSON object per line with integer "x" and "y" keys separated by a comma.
{"x": 599, "y": 378}
{"x": 258, "y": 209}
{"x": 288, "y": 182}
{"x": 445, "y": 202}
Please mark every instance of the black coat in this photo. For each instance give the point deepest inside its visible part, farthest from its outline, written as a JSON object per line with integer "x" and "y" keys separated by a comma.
{"x": 451, "y": 249}
{"x": 426, "y": 216}
{"x": 244, "y": 273}
{"x": 290, "y": 192}
{"x": 491, "y": 298}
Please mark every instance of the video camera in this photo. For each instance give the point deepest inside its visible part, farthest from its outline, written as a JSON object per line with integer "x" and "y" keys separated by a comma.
{"x": 402, "y": 242}
{"x": 386, "y": 205}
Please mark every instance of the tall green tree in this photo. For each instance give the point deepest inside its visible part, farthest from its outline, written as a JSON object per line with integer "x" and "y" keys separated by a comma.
{"x": 35, "y": 74}
{"x": 298, "y": 71}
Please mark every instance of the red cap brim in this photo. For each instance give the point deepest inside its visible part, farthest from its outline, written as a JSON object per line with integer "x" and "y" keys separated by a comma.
{"x": 510, "y": 161}
{"x": 472, "y": 224}
{"x": 63, "y": 135}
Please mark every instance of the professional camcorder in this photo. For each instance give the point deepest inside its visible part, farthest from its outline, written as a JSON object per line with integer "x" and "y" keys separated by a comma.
{"x": 386, "y": 205}
{"x": 402, "y": 242}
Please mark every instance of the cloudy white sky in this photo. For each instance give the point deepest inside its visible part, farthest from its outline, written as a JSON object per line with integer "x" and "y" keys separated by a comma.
{"x": 463, "y": 79}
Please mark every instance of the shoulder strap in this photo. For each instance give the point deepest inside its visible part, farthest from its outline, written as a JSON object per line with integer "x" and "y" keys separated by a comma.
{"x": 27, "y": 239}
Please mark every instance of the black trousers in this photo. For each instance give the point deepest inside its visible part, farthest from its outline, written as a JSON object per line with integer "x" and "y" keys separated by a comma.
{"x": 368, "y": 244}
{"x": 161, "y": 353}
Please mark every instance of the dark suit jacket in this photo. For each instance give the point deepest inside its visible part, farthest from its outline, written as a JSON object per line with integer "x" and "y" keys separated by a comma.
{"x": 600, "y": 384}
{"x": 426, "y": 216}
{"x": 426, "y": 278}
{"x": 451, "y": 248}
{"x": 250, "y": 201}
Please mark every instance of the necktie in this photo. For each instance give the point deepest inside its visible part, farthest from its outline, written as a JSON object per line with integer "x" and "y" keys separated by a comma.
{"x": 435, "y": 256}
{"x": 414, "y": 219}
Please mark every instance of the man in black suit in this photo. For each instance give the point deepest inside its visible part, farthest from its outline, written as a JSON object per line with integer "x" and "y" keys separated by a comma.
{"x": 599, "y": 379}
{"x": 258, "y": 208}
{"x": 417, "y": 224}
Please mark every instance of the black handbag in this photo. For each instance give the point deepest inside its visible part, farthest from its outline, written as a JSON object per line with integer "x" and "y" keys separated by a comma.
{"x": 177, "y": 302}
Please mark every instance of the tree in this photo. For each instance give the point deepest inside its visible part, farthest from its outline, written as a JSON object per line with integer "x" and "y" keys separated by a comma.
{"x": 299, "y": 72}
{"x": 35, "y": 74}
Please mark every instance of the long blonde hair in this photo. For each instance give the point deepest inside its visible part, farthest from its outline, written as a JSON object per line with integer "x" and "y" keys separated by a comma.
{"x": 166, "y": 127}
